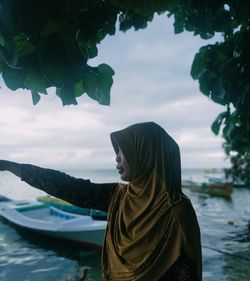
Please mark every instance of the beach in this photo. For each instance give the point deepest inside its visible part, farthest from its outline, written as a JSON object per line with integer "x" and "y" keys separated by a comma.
{"x": 223, "y": 223}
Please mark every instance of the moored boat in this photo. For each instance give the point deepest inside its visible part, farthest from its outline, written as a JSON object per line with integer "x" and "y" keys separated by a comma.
{"x": 3, "y": 198}
{"x": 241, "y": 184}
{"x": 188, "y": 183}
{"x": 47, "y": 220}
{"x": 67, "y": 207}
{"x": 214, "y": 188}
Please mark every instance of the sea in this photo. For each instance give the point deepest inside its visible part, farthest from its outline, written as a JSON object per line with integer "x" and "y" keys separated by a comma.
{"x": 224, "y": 224}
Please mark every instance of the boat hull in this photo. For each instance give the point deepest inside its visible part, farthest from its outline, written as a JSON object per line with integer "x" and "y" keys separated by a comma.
{"x": 216, "y": 189}
{"x": 86, "y": 239}
{"x": 46, "y": 220}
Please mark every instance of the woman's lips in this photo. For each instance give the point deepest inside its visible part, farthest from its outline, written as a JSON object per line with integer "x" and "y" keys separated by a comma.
{"x": 120, "y": 169}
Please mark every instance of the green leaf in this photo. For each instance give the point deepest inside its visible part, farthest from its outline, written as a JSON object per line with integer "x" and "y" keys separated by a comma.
{"x": 178, "y": 27}
{"x": 1, "y": 65}
{"x": 199, "y": 63}
{"x": 13, "y": 78}
{"x": 88, "y": 49}
{"x": 2, "y": 41}
{"x": 97, "y": 83}
{"x": 228, "y": 131}
{"x": 205, "y": 84}
{"x": 218, "y": 121}
{"x": 78, "y": 89}
{"x": 35, "y": 97}
{"x": 23, "y": 45}
{"x": 54, "y": 73}
{"x": 35, "y": 81}
{"x": 51, "y": 27}
{"x": 67, "y": 94}
{"x": 54, "y": 61}
{"x": 218, "y": 99}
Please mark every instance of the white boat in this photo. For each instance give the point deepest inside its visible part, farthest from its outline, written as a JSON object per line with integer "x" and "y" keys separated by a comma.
{"x": 47, "y": 220}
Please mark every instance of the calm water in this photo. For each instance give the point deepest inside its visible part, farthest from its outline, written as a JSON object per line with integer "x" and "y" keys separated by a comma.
{"x": 225, "y": 237}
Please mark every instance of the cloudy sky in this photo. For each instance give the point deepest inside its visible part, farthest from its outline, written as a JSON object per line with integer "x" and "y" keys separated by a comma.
{"x": 152, "y": 83}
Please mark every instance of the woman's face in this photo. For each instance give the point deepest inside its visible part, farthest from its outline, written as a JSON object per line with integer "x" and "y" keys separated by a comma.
{"x": 122, "y": 166}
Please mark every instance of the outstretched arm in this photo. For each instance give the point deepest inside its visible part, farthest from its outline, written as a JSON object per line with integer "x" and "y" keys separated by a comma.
{"x": 10, "y": 166}
{"x": 80, "y": 192}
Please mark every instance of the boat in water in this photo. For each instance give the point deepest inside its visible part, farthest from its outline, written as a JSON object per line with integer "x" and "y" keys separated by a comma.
{"x": 67, "y": 207}
{"x": 50, "y": 221}
{"x": 189, "y": 183}
{"x": 214, "y": 188}
{"x": 241, "y": 184}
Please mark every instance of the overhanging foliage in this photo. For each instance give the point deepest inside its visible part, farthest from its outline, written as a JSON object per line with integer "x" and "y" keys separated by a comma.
{"x": 48, "y": 44}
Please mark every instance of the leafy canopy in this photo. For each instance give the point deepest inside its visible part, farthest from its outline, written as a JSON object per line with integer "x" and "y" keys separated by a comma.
{"x": 48, "y": 43}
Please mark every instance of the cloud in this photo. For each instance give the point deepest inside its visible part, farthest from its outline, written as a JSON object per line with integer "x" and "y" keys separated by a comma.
{"x": 152, "y": 83}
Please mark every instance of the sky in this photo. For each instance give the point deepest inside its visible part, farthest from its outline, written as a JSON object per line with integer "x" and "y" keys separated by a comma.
{"x": 152, "y": 83}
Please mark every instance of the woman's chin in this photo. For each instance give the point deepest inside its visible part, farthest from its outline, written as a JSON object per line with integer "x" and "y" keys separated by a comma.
{"x": 123, "y": 177}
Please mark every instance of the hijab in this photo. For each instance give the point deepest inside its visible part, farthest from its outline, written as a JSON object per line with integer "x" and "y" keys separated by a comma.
{"x": 150, "y": 220}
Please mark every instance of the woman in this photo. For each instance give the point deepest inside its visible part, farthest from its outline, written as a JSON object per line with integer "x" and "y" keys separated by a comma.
{"x": 152, "y": 231}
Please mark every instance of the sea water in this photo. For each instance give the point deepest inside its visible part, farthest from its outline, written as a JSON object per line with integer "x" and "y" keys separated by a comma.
{"x": 223, "y": 222}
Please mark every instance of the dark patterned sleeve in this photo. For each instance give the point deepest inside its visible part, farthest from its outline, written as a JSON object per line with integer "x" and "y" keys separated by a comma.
{"x": 80, "y": 192}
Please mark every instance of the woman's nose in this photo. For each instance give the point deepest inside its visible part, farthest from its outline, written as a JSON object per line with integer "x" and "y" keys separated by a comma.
{"x": 118, "y": 158}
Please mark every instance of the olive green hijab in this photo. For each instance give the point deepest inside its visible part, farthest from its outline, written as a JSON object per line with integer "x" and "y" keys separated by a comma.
{"x": 150, "y": 220}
